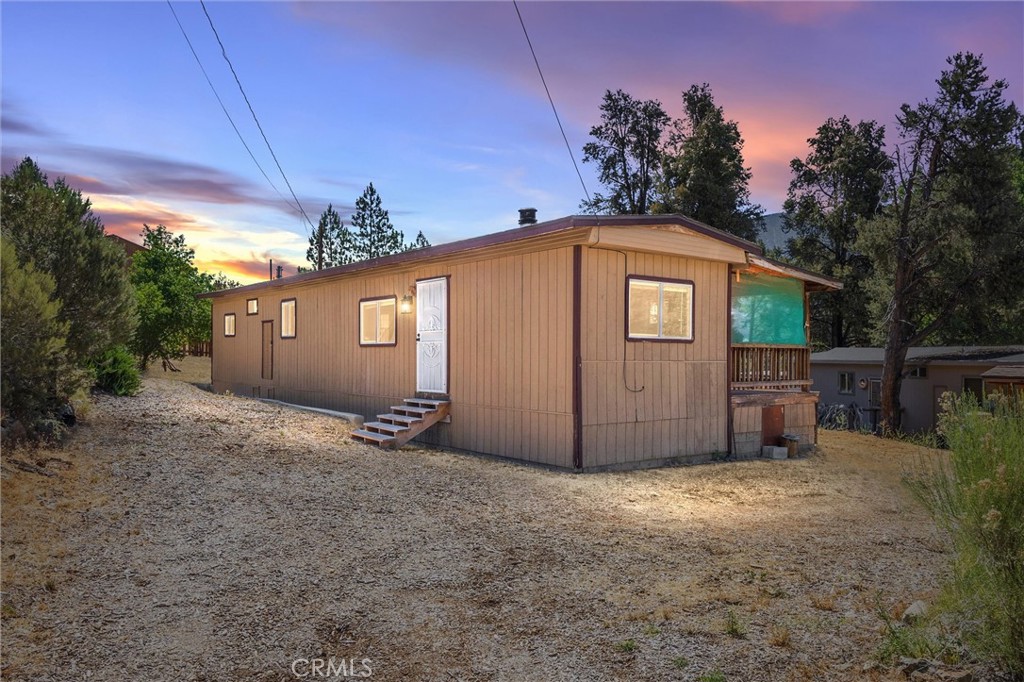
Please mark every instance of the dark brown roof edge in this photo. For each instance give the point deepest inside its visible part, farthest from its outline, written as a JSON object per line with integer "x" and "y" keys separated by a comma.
{"x": 507, "y": 236}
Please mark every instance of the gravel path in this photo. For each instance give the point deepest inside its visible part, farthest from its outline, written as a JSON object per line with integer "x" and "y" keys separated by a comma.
{"x": 202, "y": 537}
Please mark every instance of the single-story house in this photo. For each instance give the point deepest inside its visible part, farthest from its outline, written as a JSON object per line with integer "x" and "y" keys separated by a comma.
{"x": 587, "y": 342}
{"x": 854, "y": 375}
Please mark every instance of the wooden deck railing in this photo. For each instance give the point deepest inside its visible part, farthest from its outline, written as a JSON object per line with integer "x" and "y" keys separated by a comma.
{"x": 758, "y": 367}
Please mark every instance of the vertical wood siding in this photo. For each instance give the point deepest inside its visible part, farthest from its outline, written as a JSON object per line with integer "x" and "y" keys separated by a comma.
{"x": 682, "y": 409}
{"x": 510, "y": 340}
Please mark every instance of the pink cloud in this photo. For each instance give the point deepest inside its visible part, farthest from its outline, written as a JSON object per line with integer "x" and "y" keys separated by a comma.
{"x": 803, "y": 13}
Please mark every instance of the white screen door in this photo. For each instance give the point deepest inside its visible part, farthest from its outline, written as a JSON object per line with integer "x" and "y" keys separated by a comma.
{"x": 432, "y": 336}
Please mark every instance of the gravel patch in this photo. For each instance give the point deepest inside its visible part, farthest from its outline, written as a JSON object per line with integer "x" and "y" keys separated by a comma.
{"x": 194, "y": 536}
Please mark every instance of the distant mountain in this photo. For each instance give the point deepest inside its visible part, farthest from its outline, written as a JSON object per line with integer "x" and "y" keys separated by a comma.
{"x": 773, "y": 236}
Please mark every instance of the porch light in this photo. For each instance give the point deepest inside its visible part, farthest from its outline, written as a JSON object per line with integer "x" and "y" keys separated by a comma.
{"x": 406, "y": 306}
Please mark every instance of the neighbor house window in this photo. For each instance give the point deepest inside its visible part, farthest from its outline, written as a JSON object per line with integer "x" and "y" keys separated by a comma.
{"x": 660, "y": 310}
{"x": 229, "y": 324}
{"x": 974, "y": 386}
{"x": 377, "y": 321}
{"x": 252, "y": 306}
{"x": 846, "y": 382}
{"x": 919, "y": 372}
{"x": 288, "y": 319}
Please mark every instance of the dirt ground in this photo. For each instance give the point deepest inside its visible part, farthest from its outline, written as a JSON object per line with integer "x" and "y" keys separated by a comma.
{"x": 191, "y": 536}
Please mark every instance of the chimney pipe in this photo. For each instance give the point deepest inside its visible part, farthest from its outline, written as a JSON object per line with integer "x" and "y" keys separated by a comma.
{"x": 279, "y": 269}
{"x": 271, "y": 268}
{"x": 527, "y": 216}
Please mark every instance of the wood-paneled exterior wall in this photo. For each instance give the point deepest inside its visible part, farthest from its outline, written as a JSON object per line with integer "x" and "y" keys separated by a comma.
{"x": 511, "y": 355}
{"x": 510, "y": 341}
{"x": 650, "y": 400}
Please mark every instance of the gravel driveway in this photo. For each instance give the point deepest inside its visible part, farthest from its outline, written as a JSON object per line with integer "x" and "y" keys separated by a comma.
{"x": 192, "y": 536}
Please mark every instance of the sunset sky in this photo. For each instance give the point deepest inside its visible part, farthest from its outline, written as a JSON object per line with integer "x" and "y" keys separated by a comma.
{"x": 438, "y": 104}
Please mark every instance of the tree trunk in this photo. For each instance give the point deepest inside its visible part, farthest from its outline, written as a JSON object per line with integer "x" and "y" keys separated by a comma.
{"x": 895, "y": 358}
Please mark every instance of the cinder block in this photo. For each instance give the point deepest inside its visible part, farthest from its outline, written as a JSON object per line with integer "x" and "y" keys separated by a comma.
{"x": 773, "y": 452}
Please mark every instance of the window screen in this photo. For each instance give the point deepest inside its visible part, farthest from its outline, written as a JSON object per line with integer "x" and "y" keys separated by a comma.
{"x": 768, "y": 310}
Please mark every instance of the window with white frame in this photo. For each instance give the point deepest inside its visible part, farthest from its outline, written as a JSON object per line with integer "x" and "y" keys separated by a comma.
{"x": 846, "y": 382}
{"x": 377, "y": 321}
{"x": 229, "y": 324}
{"x": 660, "y": 310}
{"x": 288, "y": 319}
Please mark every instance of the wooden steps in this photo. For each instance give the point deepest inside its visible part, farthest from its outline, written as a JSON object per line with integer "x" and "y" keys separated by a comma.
{"x": 403, "y": 423}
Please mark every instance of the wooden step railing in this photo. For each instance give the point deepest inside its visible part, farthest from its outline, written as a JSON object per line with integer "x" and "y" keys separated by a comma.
{"x": 758, "y": 367}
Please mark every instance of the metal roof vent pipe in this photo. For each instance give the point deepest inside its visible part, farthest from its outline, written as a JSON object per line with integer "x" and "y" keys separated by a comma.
{"x": 527, "y": 216}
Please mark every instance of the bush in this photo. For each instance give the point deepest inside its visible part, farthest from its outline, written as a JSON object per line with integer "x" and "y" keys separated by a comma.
{"x": 37, "y": 375}
{"x": 978, "y": 496}
{"x": 117, "y": 371}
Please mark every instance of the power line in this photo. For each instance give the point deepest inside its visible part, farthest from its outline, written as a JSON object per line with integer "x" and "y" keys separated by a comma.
{"x": 224, "y": 52}
{"x": 552, "y": 101}
{"x": 225, "y": 109}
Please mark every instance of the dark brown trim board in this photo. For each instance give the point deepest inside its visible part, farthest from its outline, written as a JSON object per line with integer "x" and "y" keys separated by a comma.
{"x": 577, "y": 357}
{"x": 728, "y": 364}
{"x": 295, "y": 327}
{"x": 667, "y": 280}
{"x": 359, "y": 321}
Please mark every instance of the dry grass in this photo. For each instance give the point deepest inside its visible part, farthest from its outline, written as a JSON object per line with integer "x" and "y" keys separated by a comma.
{"x": 212, "y": 537}
{"x": 194, "y": 370}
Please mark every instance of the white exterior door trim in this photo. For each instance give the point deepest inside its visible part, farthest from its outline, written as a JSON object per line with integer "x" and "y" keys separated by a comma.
{"x": 432, "y": 335}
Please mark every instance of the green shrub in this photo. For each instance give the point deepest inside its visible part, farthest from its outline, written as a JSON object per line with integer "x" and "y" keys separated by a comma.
{"x": 978, "y": 496}
{"x": 37, "y": 375}
{"x": 117, "y": 371}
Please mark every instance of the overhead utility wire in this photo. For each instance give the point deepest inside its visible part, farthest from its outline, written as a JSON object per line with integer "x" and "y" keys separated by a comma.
{"x": 224, "y": 52}
{"x": 552, "y": 101}
{"x": 225, "y": 109}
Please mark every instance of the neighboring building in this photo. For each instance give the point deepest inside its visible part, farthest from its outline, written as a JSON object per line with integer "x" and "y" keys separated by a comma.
{"x": 586, "y": 342}
{"x": 130, "y": 247}
{"x": 854, "y": 375}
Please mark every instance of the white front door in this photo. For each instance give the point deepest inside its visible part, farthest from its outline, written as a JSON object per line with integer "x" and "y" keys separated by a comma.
{"x": 432, "y": 336}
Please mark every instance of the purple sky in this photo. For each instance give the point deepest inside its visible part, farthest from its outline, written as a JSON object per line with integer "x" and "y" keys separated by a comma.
{"x": 439, "y": 104}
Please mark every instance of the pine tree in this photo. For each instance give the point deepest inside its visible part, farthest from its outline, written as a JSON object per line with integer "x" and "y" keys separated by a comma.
{"x": 331, "y": 243}
{"x": 627, "y": 150}
{"x": 839, "y": 184}
{"x": 703, "y": 172}
{"x": 54, "y": 227}
{"x": 374, "y": 236}
{"x": 419, "y": 243}
{"x": 952, "y": 230}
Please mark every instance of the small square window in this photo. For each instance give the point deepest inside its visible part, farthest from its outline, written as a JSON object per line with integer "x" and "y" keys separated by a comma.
{"x": 846, "y": 382}
{"x": 377, "y": 322}
{"x": 288, "y": 318}
{"x": 229, "y": 324}
{"x": 252, "y": 306}
{"x": 919, "y": 372}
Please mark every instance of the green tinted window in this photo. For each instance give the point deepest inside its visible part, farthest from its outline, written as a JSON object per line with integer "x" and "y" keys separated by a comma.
{"x": 767, "y": 309}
